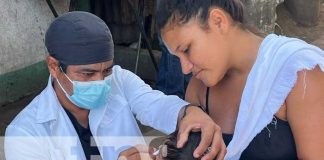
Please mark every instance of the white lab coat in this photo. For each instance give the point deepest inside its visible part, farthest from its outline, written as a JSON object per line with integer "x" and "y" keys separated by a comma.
{"x": 44, "y": 131}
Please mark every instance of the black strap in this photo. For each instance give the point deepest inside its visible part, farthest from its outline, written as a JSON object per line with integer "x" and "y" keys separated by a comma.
{"x": 207, "y": 95}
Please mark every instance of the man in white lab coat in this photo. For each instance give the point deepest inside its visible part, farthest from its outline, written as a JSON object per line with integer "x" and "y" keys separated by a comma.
{"x": 87, "y": 96}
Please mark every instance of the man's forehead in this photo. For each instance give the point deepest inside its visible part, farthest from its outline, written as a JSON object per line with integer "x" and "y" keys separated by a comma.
{"x": 105, "y": 65}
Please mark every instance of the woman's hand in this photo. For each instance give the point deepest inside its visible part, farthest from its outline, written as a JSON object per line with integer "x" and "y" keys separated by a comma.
{"x": 211, "y": 135}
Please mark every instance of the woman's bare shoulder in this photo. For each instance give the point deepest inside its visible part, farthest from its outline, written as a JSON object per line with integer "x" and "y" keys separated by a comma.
{"x": 305, "y": 110}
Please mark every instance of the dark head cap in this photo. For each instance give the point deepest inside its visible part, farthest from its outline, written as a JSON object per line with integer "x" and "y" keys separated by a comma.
{"x": 79, "y": 38}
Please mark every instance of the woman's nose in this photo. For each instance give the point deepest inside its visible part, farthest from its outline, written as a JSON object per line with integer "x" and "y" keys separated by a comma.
{"x": 186, "y": 65}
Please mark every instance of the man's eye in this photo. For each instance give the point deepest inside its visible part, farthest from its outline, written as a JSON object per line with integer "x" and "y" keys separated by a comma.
{"x": 107, "y": 71}
{"x": 88, "y": 74}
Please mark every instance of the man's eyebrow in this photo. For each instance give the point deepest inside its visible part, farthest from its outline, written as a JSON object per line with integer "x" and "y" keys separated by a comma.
{"x": 88, "y": 70}
{"x": 85, "y": 69}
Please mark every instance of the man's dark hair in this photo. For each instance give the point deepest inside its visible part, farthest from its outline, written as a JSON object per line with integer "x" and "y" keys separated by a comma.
{"x": 181, "y": 11}
{"x": 63, "y": 67}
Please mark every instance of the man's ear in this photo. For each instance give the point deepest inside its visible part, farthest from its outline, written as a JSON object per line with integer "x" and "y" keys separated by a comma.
{"x": 219, "y": 20}
{"x": 53, "y": 66}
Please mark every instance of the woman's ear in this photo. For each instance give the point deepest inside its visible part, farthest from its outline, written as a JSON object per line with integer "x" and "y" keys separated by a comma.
{"x": 53, "y": 66}
{"x": 218, "y": 19}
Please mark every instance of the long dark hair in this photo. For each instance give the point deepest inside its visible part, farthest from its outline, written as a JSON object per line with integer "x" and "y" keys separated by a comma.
{"x": 181, "y": 11}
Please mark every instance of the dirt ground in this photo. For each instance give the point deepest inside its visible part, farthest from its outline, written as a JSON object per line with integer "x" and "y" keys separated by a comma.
{"x": 289, "y": 27}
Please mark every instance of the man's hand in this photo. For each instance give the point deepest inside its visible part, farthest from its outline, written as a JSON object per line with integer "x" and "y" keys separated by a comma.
{"x": 211, "y": 135}
{"x": 139, "y": 152}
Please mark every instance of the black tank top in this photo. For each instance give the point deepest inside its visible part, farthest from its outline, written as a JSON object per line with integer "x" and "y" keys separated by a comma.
{"x": 274, "y": 142}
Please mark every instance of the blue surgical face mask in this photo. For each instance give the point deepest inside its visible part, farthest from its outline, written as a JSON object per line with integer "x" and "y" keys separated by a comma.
{"x": 89, "y": 95}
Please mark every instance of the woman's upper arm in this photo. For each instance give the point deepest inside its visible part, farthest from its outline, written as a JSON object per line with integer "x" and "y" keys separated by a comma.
{"x": 305, "y": 113}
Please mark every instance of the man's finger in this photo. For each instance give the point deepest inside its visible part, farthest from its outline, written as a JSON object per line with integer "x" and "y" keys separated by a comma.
{"x": 121, "y": 157}
{"x": 139, "y": 156}
{"x": 151, "y": 151}
{"x": 133, "y": 151}
{"x": 135, "y": 156}
{"x": 142, "y": 148}
{"x": 146, "y": 156}
{"x": 128, "y": 152}
{"x": 183, "y": 134}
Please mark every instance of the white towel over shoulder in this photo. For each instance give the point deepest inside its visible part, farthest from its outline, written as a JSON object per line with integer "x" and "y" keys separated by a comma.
{"x": 271, "y": 79}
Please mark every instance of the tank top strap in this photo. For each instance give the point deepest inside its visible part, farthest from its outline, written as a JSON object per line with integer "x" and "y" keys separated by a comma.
{"x": 207, "y": 97}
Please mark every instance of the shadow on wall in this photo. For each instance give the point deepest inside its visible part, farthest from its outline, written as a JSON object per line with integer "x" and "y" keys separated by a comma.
{"x": 262, "y": 13}
{"x": 305, "y": 13}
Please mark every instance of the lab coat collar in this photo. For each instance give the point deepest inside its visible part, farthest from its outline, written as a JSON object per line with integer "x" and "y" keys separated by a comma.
{"x": 95, "y": 117}
{"x": 103, "y": 116}
{"x": 49, "y": 104}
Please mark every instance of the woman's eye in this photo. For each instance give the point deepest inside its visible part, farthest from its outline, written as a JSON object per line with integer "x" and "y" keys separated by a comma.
{"x": 186, "y": 51}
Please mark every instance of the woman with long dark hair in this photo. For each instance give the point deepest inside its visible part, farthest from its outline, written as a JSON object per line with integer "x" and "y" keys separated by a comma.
{"x": 266, "y": 93}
